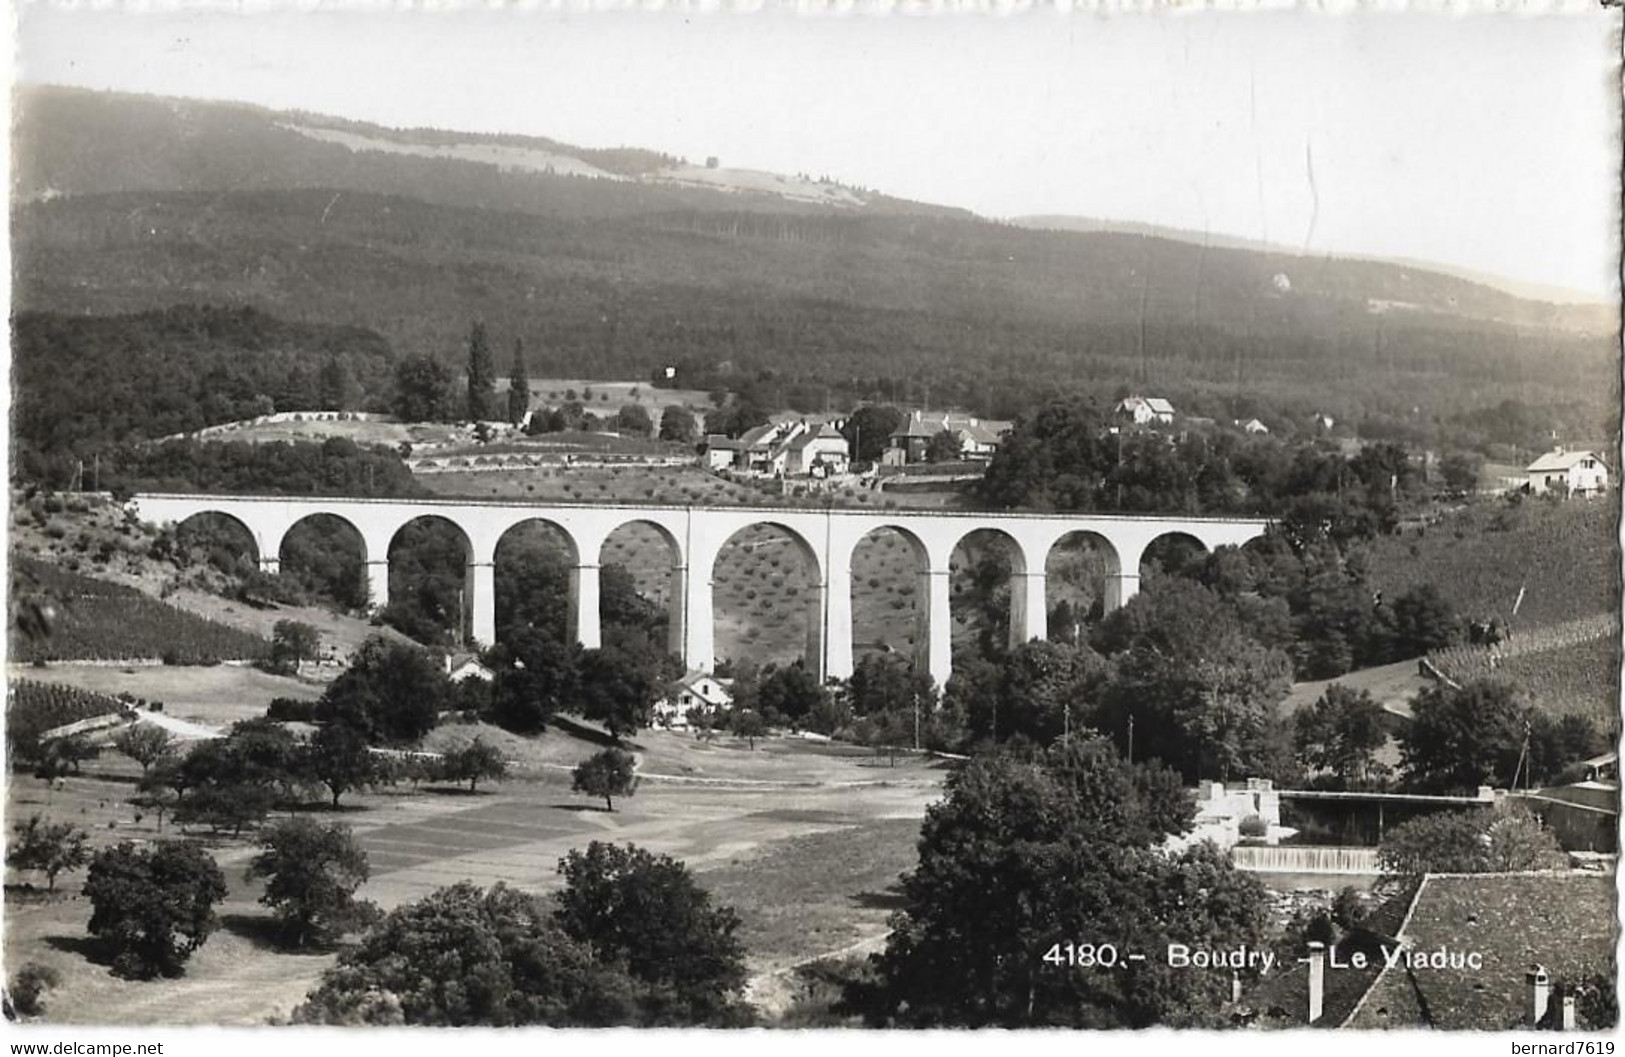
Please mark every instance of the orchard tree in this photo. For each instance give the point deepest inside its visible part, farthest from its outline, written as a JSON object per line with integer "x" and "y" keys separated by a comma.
{"x": 338, "y": 757}
{"x": 145, "y": 743}
{"x": 154, "y": 905}
{"x": 1341, "y": 733}
{"x": 472, "y": 762}
{"x": 747, "y": 723}
{"x": 312, "y": 872}
{"x": 677, "y": 425}
{"x": 48, "y": 848}
{"x": 647, "y": 910}
{"x": 608, "y": 774}
{"x": 518, "y": 385}
{"x": 482, "y": 375}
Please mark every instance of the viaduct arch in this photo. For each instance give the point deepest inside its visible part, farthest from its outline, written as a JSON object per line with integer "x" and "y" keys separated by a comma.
{"x": 696, "y": 536}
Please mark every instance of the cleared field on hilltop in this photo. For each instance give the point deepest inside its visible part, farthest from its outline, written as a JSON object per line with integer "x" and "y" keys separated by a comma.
{"x": 850, "y": 820}
{"x": 1566, "y": 553}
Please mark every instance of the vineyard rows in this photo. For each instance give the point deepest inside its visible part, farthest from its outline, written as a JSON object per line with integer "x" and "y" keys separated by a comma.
{"x": 99, "y": 620}
{"x": 1568, "y": 668}
{"x": 33, "y": 708}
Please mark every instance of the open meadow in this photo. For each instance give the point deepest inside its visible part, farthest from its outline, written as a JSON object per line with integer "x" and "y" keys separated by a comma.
{"x": 807, "y": 857}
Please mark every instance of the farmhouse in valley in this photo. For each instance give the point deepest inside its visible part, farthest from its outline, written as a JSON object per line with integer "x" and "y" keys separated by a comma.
{"x": 1143, "y": 410}
{"x": 1577, "y": 472}
{"x": 695, "y": 690}
{"x": 1252, "y": 425}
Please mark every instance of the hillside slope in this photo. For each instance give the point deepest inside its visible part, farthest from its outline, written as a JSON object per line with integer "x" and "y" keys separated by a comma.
{"x": 133, "y": 203}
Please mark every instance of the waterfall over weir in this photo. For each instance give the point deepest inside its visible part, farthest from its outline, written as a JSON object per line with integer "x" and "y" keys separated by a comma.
{"x": 1307, "y": 858}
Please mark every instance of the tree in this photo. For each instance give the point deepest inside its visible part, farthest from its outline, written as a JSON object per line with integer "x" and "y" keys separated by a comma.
{"x": 1341, "y": 733}
{"x": 646, "y": 909}
{"x": 1201, "y": 692}
{"x": 1424, "y": 621}
{"x": 1458, "y": 740}
{"x": 868, "y": 430}
{"x": 423, "y": 390}
{"x": 336, "y": 385}
{"x": 677, "y": 425}
{"x": 518, "y": 385}
{"x": 793, "y": 692}
{"x": 49, "y": 848}
{"x": 393, "y": 693}
{"x": 1460, "y": 472}
{"x": 942, "y": 447}
{"x": 617, "y": 689}
{"x": 608, "y": 774}
{"x": 747, "y": 723}
{"x": 482, "y": 376}
{"x": 312, "y": 874}
{"x": 1476, "y": 840}
{"x": 145, "y": 743}
{"x": 634, "y": 419}
{"x": 472, "y": 762}
{"x": 293, "y": 641}
{"x": 337, "y": 756}
{"x": 466, "y": 956}
{"x": 228, "y": 805}
{"x": 1063, "y": 846}
{"x": 153, "y": 906}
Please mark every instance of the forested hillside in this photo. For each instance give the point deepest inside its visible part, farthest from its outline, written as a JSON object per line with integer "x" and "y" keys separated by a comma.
{"x": 611, "y": 277}
{"x": 84, "y": 384}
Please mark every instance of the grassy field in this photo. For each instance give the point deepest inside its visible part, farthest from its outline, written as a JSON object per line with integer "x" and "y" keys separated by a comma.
{"x": 802, "y": 839}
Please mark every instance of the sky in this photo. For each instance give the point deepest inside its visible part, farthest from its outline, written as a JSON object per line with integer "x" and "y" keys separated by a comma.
{"x": 1488, "y": 142}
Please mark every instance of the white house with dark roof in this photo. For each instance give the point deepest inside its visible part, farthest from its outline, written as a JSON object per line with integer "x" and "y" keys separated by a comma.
{"x": 696, "y": 690}
{"x": 796, "y": 448}
{"x": 1143, "y": 410}
{"x": 1578, "y": 472}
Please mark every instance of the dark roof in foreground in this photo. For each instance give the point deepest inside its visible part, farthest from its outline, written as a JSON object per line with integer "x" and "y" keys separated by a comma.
{"x": 1563, "y": 920}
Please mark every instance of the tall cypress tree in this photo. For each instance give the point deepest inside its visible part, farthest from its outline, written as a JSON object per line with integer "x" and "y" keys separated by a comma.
{"x": 482, "y": 375}
{"x": 518, "y": 384}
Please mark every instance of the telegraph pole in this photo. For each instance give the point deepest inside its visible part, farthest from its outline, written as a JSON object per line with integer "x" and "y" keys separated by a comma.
{"x": 1131, "y": 738}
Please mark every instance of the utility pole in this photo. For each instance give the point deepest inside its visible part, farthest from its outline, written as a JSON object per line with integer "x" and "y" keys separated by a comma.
{"x": 1131, "y": 737}
{"x": 96, "y": 471}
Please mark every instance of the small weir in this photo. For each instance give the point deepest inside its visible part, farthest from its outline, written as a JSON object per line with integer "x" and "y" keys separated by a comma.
{"x": 1306, "y": 858}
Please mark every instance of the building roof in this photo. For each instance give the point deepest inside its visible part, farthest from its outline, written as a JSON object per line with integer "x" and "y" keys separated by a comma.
{"x": 721, "y": 443}
{"x": 914, "y": 427}
{"x": 1282, "y": 999}
{"x": 1562, "y": 920}
{"x": 1560, "y": 460}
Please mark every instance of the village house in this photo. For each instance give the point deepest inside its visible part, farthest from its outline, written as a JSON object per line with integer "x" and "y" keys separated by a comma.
{"x": 795, "y": 448}
{"x": 1143, "y": 411}
{"x": 978, "y": 439}
{"x": 1252, "y": 425}
{"x": 1323, "y": 422}
{"x": 696, "y": 690}
{"x": 460, "y": 666}
{"x": 1577, "y": 472}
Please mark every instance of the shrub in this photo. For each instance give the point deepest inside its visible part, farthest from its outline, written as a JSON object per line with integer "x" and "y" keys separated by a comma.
{"x": 290, "y": 710}
{"x": 1253, "y": 826}
{"x": 28, "y": 987}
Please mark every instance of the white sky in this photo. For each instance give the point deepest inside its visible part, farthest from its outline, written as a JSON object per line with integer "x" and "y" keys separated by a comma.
{"x": 1489, "y": 142}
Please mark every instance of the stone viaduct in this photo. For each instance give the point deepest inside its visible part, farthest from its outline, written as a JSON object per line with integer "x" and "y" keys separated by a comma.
{"x": 695, "y": 536}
